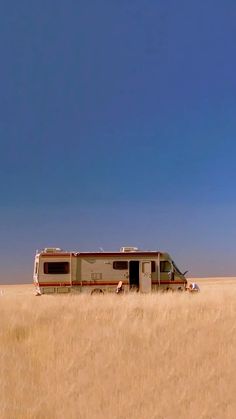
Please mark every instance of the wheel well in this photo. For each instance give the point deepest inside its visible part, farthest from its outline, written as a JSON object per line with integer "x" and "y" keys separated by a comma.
{"x": 98, "y": 291}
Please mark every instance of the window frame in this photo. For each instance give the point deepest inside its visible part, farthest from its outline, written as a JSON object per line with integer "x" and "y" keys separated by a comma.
{"x": 47, "y": 270}
{"x": 116, "y": 263}
{"x": 165, "y": 271}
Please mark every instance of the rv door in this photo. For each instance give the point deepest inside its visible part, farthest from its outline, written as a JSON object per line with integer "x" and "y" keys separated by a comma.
{"x": 146, "y": 276}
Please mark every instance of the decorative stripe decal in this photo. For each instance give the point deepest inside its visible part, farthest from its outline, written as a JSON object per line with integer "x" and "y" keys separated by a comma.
{"x": 168, "y": 282}
{"x": 79, "y": 283}
{"x": 53, "y": 284}
{"x": 100, "y": 283}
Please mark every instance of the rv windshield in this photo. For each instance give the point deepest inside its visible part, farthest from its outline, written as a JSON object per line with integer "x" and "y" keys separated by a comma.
{"x": 176, "y": 269}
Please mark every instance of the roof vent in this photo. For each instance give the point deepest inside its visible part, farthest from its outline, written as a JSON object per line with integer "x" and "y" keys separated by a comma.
{"x": 128, "y": 249}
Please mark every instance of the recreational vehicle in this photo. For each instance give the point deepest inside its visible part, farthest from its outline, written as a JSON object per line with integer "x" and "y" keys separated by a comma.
{"x": 130, "y": 269}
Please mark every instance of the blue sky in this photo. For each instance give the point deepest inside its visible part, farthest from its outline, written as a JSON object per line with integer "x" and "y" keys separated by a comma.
{"x": 117, "y": 127}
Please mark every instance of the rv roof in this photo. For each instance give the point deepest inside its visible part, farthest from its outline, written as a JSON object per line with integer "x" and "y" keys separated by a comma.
{"x": 102, "y": 254}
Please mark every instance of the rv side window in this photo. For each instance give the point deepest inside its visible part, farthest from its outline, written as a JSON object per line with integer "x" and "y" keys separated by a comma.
{"x": 165, "y": 266}
{"x": 121, "y": 265}
{"x": 58, "y": 268}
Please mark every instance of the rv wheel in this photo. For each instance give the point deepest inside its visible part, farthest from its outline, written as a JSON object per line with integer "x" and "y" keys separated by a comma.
{"x": 97, "y": 291}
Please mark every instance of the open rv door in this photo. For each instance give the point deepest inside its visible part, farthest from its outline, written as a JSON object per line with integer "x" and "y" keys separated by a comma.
{"x": 145, "y": 284}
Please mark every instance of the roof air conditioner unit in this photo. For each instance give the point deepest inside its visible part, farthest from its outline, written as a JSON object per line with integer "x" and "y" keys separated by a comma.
{"x": 52, "y": 250}
{"x": 128, "y": 249}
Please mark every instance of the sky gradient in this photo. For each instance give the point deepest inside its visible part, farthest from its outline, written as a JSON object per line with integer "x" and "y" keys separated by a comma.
{"x": 118, "y": 127}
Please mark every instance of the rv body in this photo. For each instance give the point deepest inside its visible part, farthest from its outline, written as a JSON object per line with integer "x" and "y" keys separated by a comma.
{"x": 56, "y": 271}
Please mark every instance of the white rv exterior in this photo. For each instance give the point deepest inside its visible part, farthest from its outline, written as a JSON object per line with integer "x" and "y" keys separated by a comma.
{"x": 57, "y": 271}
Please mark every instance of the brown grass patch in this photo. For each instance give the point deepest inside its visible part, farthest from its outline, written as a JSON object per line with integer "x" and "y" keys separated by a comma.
{"x": 135, "y": 356}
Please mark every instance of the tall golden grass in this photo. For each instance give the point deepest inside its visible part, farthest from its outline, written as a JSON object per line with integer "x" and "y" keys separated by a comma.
{"x": 123, "y": 357}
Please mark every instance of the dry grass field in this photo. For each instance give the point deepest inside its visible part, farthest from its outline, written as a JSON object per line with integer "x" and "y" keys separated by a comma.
{"x": 159, "y": 356}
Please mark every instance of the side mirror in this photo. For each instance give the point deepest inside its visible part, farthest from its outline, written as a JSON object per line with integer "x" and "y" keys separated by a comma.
{"x": 185, "y": 273}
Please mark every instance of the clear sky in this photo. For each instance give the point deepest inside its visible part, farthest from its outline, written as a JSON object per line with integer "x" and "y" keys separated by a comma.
{"x": 118, "y": 127}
